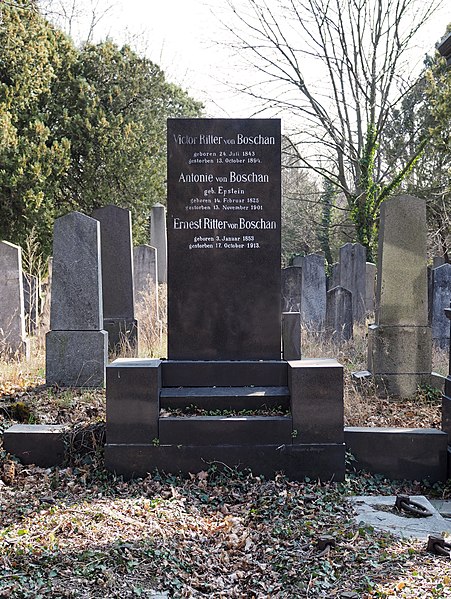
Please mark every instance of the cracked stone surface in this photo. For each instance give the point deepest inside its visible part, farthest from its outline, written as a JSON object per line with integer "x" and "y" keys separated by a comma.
{"x": 374, "y": 510}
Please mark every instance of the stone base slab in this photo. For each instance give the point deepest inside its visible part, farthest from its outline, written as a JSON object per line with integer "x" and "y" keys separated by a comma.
{"x": 39, "y": 444}
{"x": 324, "y": 461}
{"x": 399, "y": 453}
{"x": 76, "y": 358}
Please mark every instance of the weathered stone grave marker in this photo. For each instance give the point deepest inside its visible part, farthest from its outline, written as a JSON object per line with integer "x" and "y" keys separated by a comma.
{"x": 399, "y": 344}
{"x": 441, "y": 297}
{"x": 76, "y": 345}
{"x": 13, "y": 341}
{"x": 353, "y": 276}
{"x": 117, "y": 278}
{"x": 159, "y": 240}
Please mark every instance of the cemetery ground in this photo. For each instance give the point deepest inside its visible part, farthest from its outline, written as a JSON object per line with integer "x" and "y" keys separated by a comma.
{"x": 80, "y": 531}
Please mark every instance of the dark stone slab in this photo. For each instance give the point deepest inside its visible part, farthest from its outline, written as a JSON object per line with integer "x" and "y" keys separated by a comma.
{"x": 323, "y": 461}
{"x": 316, "y": 388}
{"x": 291, "y": 335}
{"x": 225, "y": 398}
{"x": 76, "y": 358}
{"x": 117, "y": 261}
{"x": 412, "y": 454}
{"x": 122, "y": 335}
{"x": 224, "y": 373}
{"x": 132, "y": 407}
{"x": 224, "y": 187}
{"x": 39, "y": 444}
{"x": 223, "y": 430}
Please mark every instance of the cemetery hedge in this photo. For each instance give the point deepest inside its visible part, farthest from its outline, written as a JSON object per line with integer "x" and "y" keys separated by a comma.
{"x": 79, "y": 127}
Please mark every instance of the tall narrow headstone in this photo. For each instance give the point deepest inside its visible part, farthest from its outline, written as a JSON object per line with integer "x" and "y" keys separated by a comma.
{"x": 158, "y": 240}
{"x": 291, "y": 285}
{"x": 370, "y": 287}
{"x": 313, "y": 292}
{"x": 13, "y": 341}
{"x": 399, "y": 344}
{"x": 339, "y": 320}
{"x": 31, "y": 302}
{"x": 441, "y": 298}
{"x": 117, "y": 278}
{"x": 76, "y": 345}
{"x": 224, "y": 239}
{"x": 334, "y": 277}
{"x": 353, "y": 276}
{"x": 145, "y": 279}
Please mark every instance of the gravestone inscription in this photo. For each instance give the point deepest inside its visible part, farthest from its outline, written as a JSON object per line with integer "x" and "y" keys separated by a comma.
{"x": 223, "y": 239}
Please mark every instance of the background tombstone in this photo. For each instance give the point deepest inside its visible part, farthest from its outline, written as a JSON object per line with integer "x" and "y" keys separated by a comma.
{"x": 437, "y": 261}
{"x": 334, "y": 277}
{"x": 353, "y": 276}
{"x": 313, "y": 292}
{"x": 31, "y": 302}
{"x": 145, "y": 281}
{"x": 339, "y": 320}
{"x": 117, "y": 278}
{"x": 441, "y": 298}
{"x": 399, "y": 344}
{"x": 158, "y": 240}
{"x": 13, "y": 341}
{"x": 76, "y": 345}
{"x": 297, "y": 261}
{"x": 291, "y": 285}
{"x": 370, "y": 287}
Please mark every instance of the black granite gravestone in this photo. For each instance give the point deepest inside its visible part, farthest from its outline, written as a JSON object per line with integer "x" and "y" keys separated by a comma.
{"x": 224, "y": 239}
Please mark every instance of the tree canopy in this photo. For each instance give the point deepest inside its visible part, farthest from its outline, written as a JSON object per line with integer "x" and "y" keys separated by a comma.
{"x": 79, "y": 128}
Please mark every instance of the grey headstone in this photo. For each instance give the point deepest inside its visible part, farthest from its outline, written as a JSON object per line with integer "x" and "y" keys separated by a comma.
{"x": 297, "y": 261}
{"x": 441, "y": 298}
{"x": 31, "y": 302}
{"x": 13, "y": 341}
{"x": 370, "y": 287}
{"x": 339, "y": 319}
{"x": 402, "y": 293}
{"x": 158, "y": 239}
{"x": 145, "y": 280}
{"x": 76, "y": 303}
{"x": 334, "y": 277}
{"x": 313, "y": 292}
{"x": 117, "y": 277}
{"x": 291, "y": 289}
{"x": 76, "y": 347}
{"x": 353, "y": 276}
{"x": 399, "y": 344}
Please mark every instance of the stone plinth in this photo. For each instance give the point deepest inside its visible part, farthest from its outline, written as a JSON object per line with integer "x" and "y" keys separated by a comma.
{"x": 13, "y": 341}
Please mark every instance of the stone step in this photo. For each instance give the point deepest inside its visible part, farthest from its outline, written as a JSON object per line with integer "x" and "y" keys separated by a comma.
{"x": 39, "y": 444}
{"x": 191, "y": 373}
{"x": 223, "y": 430}
{"x": 225, "y": 398}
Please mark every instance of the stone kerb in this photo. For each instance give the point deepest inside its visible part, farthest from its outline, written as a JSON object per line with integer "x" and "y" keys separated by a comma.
{"x": 117, "y": 278}
{"x": 13, "y": 341}
{"x": 76, "y": 345}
